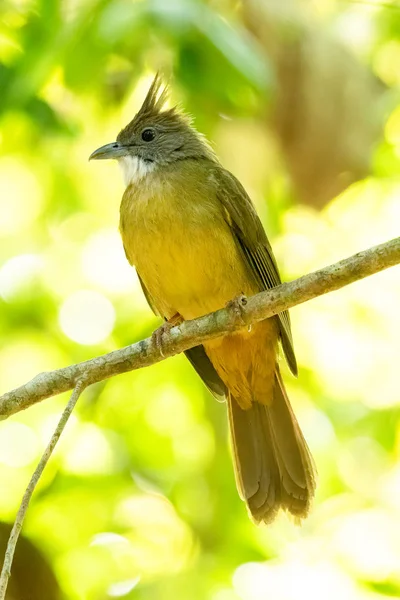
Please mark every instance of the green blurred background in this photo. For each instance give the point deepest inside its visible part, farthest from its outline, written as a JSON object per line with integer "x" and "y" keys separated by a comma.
{"x": 301, "y": 102}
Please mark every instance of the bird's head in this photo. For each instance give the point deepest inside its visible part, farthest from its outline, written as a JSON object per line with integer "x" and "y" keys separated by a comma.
{"x": 154, "y": 138}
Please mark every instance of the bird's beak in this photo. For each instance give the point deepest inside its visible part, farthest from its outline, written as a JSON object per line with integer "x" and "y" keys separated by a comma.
{"x": 113, "y": 150}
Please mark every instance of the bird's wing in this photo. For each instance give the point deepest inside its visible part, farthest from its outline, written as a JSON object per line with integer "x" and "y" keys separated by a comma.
{"x": 204, "y": 368}
{"x": 148, "y": 297}
{"x": 256, "y": 250}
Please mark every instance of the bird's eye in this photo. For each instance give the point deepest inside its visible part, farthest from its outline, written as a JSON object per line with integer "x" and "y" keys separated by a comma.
{"x": 148, "y": 135}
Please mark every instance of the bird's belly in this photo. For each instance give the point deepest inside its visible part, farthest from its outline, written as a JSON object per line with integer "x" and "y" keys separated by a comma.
{"x": 194, "y": 274}
{"x": 190, "y": 268}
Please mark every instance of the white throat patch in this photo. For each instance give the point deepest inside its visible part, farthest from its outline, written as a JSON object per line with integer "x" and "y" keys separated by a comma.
{"x": 134, "y": 168}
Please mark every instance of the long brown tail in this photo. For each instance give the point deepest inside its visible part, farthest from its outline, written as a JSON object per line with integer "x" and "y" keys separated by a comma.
{"x": 273, "y": 465}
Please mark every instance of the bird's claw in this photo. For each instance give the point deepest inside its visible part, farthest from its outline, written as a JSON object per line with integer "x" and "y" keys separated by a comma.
{"x": 236, "y": 305}
{"x": 157, "y": 335}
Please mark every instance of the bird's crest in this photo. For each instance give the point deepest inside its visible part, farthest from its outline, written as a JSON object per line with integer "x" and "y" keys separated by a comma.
{"x": 155, "y": 98}
{"x": 153, "y": 113}
{"x": 152, "y": 110}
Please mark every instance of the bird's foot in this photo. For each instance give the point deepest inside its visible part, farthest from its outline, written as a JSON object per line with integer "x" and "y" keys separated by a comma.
{"x": 157, "y": 335}
{"x": 236, "y": 305}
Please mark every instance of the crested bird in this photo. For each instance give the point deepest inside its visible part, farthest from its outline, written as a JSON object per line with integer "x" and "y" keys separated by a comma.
{"x": 194, "y": 237}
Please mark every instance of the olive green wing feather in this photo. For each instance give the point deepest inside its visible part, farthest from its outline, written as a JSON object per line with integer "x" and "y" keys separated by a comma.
{"x": 256, "y": 250}
{"x": 148, "y": 297}
{"x": 204, "y": 368}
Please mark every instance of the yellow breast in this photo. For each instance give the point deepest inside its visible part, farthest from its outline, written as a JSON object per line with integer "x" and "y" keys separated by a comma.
{"x": 175, "y": 234}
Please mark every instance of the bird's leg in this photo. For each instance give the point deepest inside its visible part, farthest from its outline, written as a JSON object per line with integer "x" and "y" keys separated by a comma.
{"x": 236, "y": 305}
{"x": 157, "y": 335}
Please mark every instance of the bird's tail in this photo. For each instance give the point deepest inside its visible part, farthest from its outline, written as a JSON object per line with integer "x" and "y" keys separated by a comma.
{"x": 273, "y": 465}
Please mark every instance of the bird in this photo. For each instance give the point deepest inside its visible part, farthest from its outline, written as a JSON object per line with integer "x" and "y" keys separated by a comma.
{"x": 196, "y": 241}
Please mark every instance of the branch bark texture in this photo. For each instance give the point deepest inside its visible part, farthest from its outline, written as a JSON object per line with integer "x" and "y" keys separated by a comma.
{"x": 192, "y": 333}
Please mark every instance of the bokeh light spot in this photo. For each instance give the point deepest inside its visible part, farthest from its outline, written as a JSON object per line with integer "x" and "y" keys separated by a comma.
{"x": 17, "y": 274}
{"x": 89, "y": 451}
{"x": 122, "y": 588}
{"x": 18, "y": 444}
{"x": 87, "y": 317}
{"x": 104, "y": 262}
{"x": 370, "y": 544}
{"x": 293, "y": 580}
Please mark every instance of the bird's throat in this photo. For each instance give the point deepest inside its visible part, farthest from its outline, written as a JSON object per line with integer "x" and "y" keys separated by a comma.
{"x": 135, "y": 169}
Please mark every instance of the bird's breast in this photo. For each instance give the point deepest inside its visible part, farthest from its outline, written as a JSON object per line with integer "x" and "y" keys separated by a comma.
{"x": 183, "y": 250}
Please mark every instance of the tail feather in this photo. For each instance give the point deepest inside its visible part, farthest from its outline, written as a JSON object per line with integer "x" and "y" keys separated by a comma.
{"x": 273, "y": 466}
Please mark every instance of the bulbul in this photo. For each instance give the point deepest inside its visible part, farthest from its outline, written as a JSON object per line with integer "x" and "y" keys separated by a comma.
{"x": 194, "y": 237}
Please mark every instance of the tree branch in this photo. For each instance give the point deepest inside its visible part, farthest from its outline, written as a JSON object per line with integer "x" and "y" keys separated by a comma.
{"x": 79, "y": 386}
{"x": 192, "y": 333}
